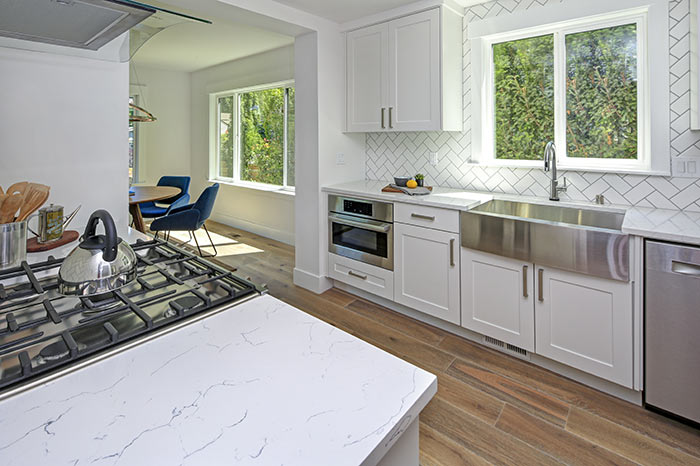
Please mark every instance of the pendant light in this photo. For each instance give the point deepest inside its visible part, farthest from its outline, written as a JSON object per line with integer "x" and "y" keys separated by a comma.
{"x": 138, "y": 35}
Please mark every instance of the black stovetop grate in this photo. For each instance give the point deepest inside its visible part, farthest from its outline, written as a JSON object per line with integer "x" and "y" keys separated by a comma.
{"x": 44, "y": 331}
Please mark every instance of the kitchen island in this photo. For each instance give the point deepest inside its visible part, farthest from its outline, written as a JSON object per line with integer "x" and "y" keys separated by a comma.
{"x": 260, "y": 382}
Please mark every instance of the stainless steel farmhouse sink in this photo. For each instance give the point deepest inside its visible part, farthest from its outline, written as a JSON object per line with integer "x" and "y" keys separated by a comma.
{"x": 580, "y": 240}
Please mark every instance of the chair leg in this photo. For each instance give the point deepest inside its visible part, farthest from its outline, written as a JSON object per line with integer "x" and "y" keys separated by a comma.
{"x": 210, "y": 240}
{"x": 213, "y": 246}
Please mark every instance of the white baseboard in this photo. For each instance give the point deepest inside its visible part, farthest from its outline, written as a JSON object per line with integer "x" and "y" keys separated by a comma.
{"x": 633, "y": 396}
{"x": 312, "y": 282}
{"x": 286, "y": 237}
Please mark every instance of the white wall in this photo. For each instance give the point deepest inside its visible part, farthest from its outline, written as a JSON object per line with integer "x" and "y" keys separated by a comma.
{"x": 320, "y": 75}
{"x": 320, "y": 79}
{"x": 63, "y": 122}
{"x": 164, "y": 145}
{"x": 270, "y": 214}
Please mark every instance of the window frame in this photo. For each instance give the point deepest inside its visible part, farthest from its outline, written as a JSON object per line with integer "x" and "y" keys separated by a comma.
{"x": 559, "y": 31}
{"x": 214, "y": 143}
{"x": 654, "y": 127}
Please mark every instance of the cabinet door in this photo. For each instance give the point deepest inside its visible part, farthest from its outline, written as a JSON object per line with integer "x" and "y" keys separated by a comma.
{"x": 585, "y": 322}
{"x": 414, "y": 72}
{"x": 497, "y": 298}
{"x": 426, "y": 271}
{"x": 367, "y": 72}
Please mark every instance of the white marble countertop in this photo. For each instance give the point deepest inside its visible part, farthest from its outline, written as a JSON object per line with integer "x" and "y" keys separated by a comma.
{"x": 447, "y": 198}
{"x": 258, "y": 383}
{"x": 662, "y": 224}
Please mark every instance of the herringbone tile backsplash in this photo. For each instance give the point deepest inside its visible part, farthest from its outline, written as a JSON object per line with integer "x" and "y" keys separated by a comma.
{"x": 407, "y": 153}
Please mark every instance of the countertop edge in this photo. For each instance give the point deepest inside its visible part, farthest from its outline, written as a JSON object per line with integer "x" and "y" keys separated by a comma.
{"x": 649, "y": 223}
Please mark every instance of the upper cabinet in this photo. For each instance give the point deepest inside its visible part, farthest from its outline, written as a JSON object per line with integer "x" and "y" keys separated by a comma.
{"x": 406, "y": 74}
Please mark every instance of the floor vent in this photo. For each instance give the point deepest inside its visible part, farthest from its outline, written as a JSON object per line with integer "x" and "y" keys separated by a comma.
{"x": 506, "y": 348}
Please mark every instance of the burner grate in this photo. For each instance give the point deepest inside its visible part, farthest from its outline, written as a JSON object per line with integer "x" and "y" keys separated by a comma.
{"x": 43, "y": 331}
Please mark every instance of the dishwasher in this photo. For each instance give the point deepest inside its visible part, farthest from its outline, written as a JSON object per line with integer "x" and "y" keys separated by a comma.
{"x": 672, "y": 329}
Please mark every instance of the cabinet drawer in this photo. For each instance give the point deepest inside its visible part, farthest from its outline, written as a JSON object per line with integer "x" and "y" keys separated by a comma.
{"x": 429, "y": 217}
{"x": 375, "y": 280}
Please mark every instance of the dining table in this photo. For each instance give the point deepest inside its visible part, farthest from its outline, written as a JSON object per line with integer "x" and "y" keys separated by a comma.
{"x": 141, "y": 194}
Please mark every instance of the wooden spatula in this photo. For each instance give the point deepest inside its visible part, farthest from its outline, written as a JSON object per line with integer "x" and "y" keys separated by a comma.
{"x": 20, "y": 187}
{"x": 34, "y": 197}
{"x": 9, "y": 208}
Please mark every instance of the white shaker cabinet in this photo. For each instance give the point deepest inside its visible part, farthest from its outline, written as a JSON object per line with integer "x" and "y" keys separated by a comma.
{"x": 497, "y": 298}
{"x": 585, "y": 322}
{"x": 406, "y": 74}
{"x": 367, "y": 54}
{"x": 426, "y": 271}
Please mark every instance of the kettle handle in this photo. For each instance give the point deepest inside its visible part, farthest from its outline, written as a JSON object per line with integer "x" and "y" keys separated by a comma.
{"x": 109, "y": 250}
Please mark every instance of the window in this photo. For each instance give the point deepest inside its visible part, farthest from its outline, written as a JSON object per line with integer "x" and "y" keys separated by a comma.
{"x": 581, "y": 83}
{"x": 133, "y": 145}
{"x": 255, "y": 135}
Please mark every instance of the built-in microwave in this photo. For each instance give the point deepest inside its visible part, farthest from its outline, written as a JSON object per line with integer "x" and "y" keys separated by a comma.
{"x": 361, "y": 229}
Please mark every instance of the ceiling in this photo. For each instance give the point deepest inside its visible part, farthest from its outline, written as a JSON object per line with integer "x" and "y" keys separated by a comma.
{"x": 342, "y": 11}
{"x": 192, "y": 46}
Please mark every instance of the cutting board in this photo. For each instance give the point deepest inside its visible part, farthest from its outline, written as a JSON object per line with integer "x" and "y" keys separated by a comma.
{"x": 68, "y": 237}
{"x": 389, "y": 189}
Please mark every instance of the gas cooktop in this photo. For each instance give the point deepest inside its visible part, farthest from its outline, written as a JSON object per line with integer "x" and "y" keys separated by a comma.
{"x": 46, "y": 332}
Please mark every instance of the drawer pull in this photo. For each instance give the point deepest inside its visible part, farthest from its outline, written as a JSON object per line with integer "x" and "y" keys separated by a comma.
{"x": 524, "y": 281}
{"x": 424, "y": 217}
{"x": 540, "y": 285}
{"x": 357, "y": 275}
{"x": 452, "y": 252}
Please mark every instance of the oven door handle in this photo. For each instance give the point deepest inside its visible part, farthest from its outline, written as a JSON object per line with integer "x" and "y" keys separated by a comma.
{"x": 380, "y": 227}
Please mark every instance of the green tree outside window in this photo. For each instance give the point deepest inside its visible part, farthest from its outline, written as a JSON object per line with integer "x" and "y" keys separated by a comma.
{"x": 601, "y": 95}
{"x": 266, "y": 121}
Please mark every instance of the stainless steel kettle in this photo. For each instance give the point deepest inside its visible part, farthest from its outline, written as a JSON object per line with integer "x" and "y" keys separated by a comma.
{"x": 100, "y": 263}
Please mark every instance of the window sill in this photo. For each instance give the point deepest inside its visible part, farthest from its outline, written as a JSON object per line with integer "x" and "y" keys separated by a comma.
{"x": 266, "y": 188}
{"x": 529, "y": 165}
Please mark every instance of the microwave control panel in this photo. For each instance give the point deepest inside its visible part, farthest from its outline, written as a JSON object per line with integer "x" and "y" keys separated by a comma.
{"x": 357, "y": 207}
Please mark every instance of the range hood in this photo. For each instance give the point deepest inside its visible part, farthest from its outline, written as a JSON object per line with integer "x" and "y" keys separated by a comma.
{"x": 85, "y": 24}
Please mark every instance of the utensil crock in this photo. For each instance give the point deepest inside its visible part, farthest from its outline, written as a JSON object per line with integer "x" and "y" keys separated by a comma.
{"x": 13, "y": 244}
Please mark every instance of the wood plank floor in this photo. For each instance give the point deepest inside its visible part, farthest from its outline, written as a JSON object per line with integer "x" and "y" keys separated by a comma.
{"x": 490, "y": 407}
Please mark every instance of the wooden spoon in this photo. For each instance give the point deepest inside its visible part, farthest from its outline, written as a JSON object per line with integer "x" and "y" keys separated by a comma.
{"x": 9, "y": 208}
{"x": 35, "y": 196}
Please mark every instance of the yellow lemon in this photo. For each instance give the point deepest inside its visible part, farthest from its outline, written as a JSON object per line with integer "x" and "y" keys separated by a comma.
{"x": 411, "y": 184}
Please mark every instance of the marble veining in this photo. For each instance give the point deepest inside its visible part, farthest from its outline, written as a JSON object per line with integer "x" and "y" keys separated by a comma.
{"x": 258, "y": 383}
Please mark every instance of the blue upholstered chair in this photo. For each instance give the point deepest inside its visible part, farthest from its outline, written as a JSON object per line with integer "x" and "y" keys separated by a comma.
{"x": 151, "y": 210}
{"x": 190, "y": 217}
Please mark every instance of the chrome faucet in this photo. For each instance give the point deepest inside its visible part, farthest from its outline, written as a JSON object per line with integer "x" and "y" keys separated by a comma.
{"x": 550, "y": 158}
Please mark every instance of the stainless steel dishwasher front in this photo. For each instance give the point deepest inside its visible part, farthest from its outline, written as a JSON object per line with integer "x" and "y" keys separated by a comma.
{"x": 672, "y": 329}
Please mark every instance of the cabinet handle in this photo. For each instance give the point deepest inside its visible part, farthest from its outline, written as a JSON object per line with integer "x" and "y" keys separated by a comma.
{"x": 685, "y": 268}
{"x": 383, "y": 127}
{"x": 524, "y": 281}
{"x": 452, "y": 252}
{"x": 540, "y": 285}
{"x": 390, "y": 125}
{"x": 423, "y": 217}
{"x": 357, "y": 275}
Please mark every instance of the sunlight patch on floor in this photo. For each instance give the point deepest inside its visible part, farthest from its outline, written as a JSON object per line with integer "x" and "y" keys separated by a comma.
{"x": 224, "y": 245}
